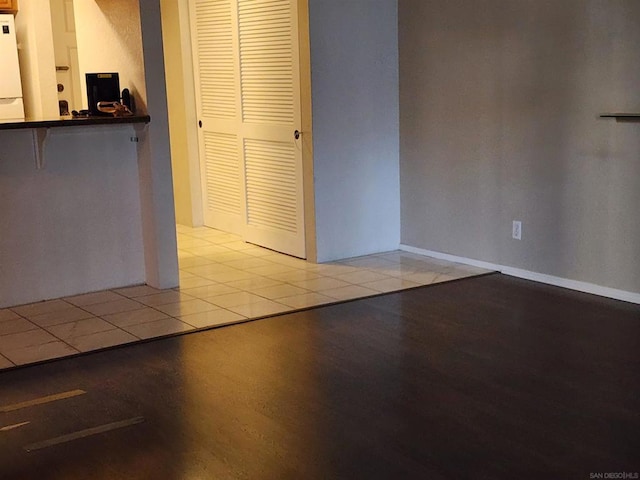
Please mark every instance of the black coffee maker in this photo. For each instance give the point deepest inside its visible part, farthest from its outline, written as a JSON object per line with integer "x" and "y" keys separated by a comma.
{"x": 102, "y": 87}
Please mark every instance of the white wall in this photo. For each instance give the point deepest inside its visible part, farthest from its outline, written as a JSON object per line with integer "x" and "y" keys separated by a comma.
{"x": 74, "y": 226}
{"x": 109, "y": 40}
{"x": 37, "y": 60}
{"x": 154, "y": 159}
{"x": 182, "y": 112}
{"x": 354, "y": 76}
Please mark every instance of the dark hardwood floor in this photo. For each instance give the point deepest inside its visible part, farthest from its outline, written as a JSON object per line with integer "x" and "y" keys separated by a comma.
{"x": 484, "y": 378}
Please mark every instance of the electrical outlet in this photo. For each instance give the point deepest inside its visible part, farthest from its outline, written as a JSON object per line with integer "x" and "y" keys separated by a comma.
{"x": 516, "y": 230}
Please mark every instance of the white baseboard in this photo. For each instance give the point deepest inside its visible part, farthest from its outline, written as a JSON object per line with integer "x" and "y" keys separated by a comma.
{"x": 631, "y": 297}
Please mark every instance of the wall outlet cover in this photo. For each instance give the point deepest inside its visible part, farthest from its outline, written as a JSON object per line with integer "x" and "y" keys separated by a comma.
{"x": 516, "y": 230}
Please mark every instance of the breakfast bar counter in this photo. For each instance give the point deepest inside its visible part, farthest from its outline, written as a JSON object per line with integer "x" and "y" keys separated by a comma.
{"x": 71, "y": 206}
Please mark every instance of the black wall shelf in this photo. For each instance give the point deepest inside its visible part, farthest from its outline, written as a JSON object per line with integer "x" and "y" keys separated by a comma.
{"x": 622, "y": 117}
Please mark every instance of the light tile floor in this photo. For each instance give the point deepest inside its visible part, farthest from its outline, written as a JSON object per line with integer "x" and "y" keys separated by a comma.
{"x": 222, "y": 281}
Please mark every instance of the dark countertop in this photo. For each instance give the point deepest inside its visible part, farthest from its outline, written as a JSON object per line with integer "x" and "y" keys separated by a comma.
{"x": 71, "y": 122}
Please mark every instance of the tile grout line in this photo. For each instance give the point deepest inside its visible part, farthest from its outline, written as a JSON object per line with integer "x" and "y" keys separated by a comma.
{"x": 92, "y": 316}
{"x": 153, "y": 307}
{"x": 46, "y": 343}
{"x": 71, "y": 305}
{"x": 8, "y": 360}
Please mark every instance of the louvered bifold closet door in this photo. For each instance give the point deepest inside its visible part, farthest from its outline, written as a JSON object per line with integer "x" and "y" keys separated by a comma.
{"x": 214, "y": 42}
{"x": 270, "y": 102}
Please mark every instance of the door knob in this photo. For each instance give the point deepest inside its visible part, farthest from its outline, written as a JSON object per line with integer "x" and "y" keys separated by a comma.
{"x": 297, "y": 134}
{"x": 200, "y": 123}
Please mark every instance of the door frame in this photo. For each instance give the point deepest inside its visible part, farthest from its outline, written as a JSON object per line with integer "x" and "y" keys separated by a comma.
{"x": 306, "y": 117}
{"x": 188, "y": 97}
{"x": 183, "y": 116}
{"x": 74, "y": 86}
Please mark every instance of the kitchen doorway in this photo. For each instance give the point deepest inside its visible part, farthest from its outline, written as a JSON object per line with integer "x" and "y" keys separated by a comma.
{"x": 252, "y": 88}
{"x": 66, "y": 56}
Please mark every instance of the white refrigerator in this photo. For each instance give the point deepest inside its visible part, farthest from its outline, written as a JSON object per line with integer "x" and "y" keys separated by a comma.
{"x": 11, "y": 106}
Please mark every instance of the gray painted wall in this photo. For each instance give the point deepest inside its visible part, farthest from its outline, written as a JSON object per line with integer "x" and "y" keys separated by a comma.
{"x": 354, "y": 75}
{"x": 499, "y": 104}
